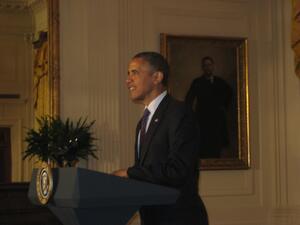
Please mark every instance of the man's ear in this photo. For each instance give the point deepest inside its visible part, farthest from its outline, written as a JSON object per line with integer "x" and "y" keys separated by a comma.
{"x": 158, "y": 77}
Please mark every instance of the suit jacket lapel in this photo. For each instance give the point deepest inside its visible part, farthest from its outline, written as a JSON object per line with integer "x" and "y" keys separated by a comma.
{"x": 154, "y": 124}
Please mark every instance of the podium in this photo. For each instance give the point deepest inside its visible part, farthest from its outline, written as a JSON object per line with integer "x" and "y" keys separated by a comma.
{"x": 85, "y": 197}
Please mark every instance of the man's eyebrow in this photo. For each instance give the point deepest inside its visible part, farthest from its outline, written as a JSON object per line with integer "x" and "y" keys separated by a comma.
{"x": 132, "y": 71}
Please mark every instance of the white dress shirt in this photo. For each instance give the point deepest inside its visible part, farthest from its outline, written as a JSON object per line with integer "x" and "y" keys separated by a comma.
{"x": 152, "y": 108}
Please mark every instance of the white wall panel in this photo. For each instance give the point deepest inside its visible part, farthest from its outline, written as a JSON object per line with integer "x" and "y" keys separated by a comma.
{"x": 291, "y": 118}
{"x": 131, "y": 41}
{"x": 16, "y": 78}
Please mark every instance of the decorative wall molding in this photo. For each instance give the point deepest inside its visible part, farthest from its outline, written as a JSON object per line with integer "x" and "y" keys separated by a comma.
{"x": 36, "y": 2}
{"x": 285, "y": 216}
{"x": 15, "y": 114}
{"x": 13, "y": 5}
{"x": 37, "y": 5}
{"x": 131, "y": 41}
{"x": 15, "y": 65}
{"x": 16, "y": 145}
{"x": 13, "y": 101}
{"x": 201, "y": 13}
{"x": 16, "y": 79}
{"x": 280, "y": 131}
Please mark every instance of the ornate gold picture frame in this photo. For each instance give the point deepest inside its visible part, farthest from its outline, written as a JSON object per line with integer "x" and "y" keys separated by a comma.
{"x": 211, "y": 75}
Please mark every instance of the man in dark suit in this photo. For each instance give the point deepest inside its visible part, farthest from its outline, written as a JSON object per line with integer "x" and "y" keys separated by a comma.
{"x": 167, "y": 151}
{"x": 210, "y": 97}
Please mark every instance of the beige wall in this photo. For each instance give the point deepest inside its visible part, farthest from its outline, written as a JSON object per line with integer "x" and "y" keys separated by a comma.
{"x": 17, "y": 26}
{"x": 16, "y": 78}
{"x": 98, "y": 37}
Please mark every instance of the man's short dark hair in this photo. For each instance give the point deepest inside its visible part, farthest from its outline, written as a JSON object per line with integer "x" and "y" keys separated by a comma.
{"x": 207, "y": 58}
{"x": 158, "y": 63}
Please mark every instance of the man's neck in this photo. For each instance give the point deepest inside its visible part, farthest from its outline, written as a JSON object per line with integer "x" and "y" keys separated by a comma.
{"x": 153, "y": 96}
{"x": 155, "y": 102}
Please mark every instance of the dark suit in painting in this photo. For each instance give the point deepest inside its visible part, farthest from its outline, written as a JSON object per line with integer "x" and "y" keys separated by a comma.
{"x": 210, "y": 99}
{"x": 169, "y": 156}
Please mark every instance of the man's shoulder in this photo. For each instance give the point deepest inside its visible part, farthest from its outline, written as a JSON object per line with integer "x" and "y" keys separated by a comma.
{"x": 178, "y": 111}
{"x": 176, "y": 106}
{"x": 175, "y": 103}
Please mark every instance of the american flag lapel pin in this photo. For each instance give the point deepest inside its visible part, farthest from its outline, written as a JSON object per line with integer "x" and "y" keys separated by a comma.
{"x": 156, "y": 120}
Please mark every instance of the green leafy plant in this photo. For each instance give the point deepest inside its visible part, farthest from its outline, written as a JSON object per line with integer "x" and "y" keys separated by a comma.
{"x": 62, "y": 142}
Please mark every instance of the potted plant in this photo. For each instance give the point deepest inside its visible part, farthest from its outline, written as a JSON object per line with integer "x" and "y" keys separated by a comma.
{"x": 61, "y": 142}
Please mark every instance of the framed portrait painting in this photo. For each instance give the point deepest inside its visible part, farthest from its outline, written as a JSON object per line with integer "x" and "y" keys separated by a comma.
{"x": 211, "y": 75}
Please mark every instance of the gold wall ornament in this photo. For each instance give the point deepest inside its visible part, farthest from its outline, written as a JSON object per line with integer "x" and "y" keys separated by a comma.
{"x": 41, "y": 77}
{"x": 296, "y": 34}
{"x": 47, "y": 76}
{"x": 44, "y": 183}
{"x": 54, "y": 65}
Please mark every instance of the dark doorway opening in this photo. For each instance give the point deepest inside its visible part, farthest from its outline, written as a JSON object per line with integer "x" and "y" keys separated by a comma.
{"x": 5, "y": 155}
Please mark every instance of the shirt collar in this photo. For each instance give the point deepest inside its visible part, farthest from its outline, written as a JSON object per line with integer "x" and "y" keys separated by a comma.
{"x": 154, "y": 104}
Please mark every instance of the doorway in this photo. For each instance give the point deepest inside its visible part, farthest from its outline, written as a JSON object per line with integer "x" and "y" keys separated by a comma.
{"x": 5, "y": 155}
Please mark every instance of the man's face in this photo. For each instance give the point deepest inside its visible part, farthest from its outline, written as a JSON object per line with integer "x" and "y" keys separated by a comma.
{"x": 140, "y": 81}
{"x": 208, "y": 67}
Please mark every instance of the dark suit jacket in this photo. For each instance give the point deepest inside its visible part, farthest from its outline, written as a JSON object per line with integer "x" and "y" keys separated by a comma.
{"x": 211, "y": 101}
{"x": 170, "y": 157}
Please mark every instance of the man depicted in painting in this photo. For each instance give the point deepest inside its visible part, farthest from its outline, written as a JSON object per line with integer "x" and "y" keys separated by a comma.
{"x": 167, "y": 145}
{"x": 210, "y": 96}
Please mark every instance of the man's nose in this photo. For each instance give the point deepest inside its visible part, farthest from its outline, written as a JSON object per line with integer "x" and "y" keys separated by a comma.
{"x": 129, "y": 76}
{"x": 128, "y": 80}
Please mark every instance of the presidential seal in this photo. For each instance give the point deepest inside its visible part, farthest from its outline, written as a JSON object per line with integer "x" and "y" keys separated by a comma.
{"x": 44, "y": 184}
